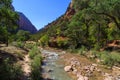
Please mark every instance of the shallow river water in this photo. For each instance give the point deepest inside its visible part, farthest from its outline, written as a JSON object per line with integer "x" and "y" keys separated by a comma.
{"x": 51, "y": 68}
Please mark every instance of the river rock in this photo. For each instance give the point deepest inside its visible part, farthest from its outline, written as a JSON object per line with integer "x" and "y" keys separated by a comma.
{"x": 98, "y": 60}
{"x": 86, "y": 78}
{"x": 98, "y": 70}
{"x": 50, "y": 70}
{"x": 109, "y": 78}
{"x": 86, "y": 67}
{"x": 94, "y": 65}
{"x": 75, "y": 71}
{"x": 78, "y": 74}
{"x": 63, "y": 52}
{"x": 92, "y": 68}
{"x": 89, "y": 73}
{"x": 80, "y": 77}
{"x": 67, "y": 68}
{"x": 118, "y": 78}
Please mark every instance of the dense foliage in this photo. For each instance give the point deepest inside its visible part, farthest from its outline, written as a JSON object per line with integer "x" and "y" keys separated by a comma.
{"x": 94, "y": 24}
{"x": 22, "y": 35}
{"x": 8, "y": 20}
{"x": 36, "y": 60}
{"x": 10, "y": 71}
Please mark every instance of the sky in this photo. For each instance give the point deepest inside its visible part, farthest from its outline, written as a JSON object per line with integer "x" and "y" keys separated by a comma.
{"x": 41, "y": 12}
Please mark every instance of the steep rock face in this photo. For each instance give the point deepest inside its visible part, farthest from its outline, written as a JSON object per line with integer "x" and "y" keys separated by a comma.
{"x": 70, "y": 11}
{"x": 25, "y": 24}
{"x": 65, "y": 17}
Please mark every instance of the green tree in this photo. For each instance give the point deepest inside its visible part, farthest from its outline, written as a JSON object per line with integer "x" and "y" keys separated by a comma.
{"x": 22, "y": 35}
{"x": 8, "y": 19}
{"x": 44, "y": 40}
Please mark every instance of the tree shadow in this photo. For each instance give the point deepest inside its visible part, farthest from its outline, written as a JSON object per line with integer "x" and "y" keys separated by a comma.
{"x": 6, "y": 55}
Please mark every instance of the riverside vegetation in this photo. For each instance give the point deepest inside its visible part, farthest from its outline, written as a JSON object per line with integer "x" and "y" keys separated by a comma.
{"x": 13, "y": 63}
{"x": 87, "y": 26}
{"x": 90, "y": 28}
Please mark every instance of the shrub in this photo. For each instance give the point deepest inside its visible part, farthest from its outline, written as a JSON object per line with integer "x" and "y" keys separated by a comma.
{"x": 10, "y": 71}
{"x": 29, "y": 46}
{"x": 97, "y": 46}
{"x": 116, "y": 58}
{"x": 44, "y": 40}
{"x": 20, "y": 44}
{"x": 110, "y": 59}
{"x": 35, "y": 68}
{"x": 36, "y": 57}
{"x": 83, "y": 50}
{"x": 62, "y": 42}
{"x": 106, "y": 58}
{"x": 19, "y": 54}
{"x": 34, "y": 51}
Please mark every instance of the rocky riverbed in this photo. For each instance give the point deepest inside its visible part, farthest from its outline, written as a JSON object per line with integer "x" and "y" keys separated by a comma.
{"x": 83, "y": 69}
{"x": 59, "y": 65}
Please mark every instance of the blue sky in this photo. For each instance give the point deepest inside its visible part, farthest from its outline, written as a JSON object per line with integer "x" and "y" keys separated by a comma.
{"x": 41, "y": 12}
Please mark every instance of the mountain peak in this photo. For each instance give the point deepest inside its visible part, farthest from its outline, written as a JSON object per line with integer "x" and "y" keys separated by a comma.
{"x": 25, "y": 23}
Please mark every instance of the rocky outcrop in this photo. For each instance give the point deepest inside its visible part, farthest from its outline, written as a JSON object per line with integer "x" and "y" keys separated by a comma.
{"x": 70, "y": 11}
{"x": 63, "y": 18}
{"x": 25, "y": 24}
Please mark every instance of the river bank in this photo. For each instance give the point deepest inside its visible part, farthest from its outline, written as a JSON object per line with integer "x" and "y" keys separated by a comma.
{"x": 80, "y": 68}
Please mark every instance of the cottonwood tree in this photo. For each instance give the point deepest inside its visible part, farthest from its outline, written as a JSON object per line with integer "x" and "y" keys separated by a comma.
{"x": 8, "y": 20}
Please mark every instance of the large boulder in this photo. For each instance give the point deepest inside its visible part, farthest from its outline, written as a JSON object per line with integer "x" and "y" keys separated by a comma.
{"x": 67, "y": 68}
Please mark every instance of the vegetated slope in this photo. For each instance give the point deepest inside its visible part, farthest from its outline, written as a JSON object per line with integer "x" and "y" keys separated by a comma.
{"x": 92, "y": 23}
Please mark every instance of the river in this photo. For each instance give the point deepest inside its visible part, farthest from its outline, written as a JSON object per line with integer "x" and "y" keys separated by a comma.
{"x": 51, "y": 68}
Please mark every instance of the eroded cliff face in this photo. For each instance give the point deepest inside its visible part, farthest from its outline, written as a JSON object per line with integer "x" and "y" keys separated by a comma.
{"x": 25, "y": 24}
{"x": 70, "y": 11}
{"x": 65, "y": 17}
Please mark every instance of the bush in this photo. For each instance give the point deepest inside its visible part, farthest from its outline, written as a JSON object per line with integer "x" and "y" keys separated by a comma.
{"x": 62, "y": 42}
{"x": 10, "y": 71}
{"x": 83, "y": 51}
{"x": 106, "y": 59}
{"x": 35, "y": 68}
{"x": 22, "y": 35}
{"x": 116, "y": 58}
{"x": 44, "y": 40}
{"x": 20, "y": 44}
{"x": 29, "y": 46}
{"x": 97, "y": 46}
{"x": 110, "y": 59}
{"x": 33, "y": 52}
{"x": 36, "y": 57}
{"x": 19, "y": 54}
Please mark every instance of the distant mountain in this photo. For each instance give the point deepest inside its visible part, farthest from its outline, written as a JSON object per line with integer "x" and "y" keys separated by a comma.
{"x": 25, "y": 24}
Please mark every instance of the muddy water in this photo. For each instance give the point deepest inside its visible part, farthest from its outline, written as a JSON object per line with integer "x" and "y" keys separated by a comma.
{"x": 51, "y": 68}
